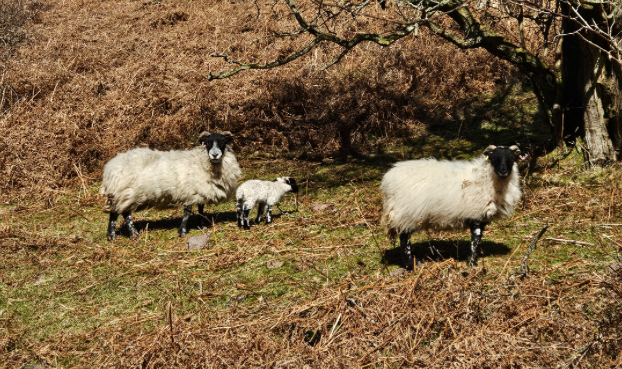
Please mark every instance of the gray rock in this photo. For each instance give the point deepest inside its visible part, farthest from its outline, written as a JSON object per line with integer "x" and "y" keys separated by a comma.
{"x": 272, "y": 264}
{"x": 316, "y": 208}
{"x": 198, "y": 242}
{"x": 396, "y": 272}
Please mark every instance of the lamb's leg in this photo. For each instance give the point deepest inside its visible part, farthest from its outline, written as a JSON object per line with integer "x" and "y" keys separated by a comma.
{"x": 245, "y": 213}
{"x": 406, "y": 248}
{"x": 183, "y": 228}
{"x": 240, "y": 213}
{"x": 130, "y": 224}
{"x": 477, "y": 228}
{"x": 260, "y": 210}
{"x": 269, "y": 214}
{"x": 112, "y": 224}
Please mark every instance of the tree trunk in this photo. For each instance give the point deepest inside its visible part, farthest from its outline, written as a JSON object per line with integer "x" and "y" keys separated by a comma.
{"x": 596, "y": 135}
{"x": 591, "y": 90}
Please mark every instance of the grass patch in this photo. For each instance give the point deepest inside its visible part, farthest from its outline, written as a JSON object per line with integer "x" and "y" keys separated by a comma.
{"x": 69, "y": 297}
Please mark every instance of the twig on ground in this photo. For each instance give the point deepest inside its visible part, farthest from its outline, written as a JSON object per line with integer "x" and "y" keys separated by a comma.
{"x": 570, "y": 241}
{"x": 532, "y": 247}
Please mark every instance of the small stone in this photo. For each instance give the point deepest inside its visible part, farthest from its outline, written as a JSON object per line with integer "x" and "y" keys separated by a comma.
{"x": 33, "y": 366}
{"x": 74, "y": 238}
{"x": 198, "y": 242}
{"x": 316, "y": 208}
{"x": 614, "y": 271}
{"x": 273, "y": 264}
{"x": 396, "y": 272}
{"x": 40, "y": 279}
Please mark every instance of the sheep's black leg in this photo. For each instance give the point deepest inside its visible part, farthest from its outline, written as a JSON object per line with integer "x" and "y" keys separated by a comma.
{"x": 112, "y": 224}
{"x": 245, "y": 214}
{"x": 477, "y": 228}
{"x": 202, "y": 216}
{"x": 183, "y": 228}
{"x": 406, "y": 248}
{"x": 130, "y": 224}
{"x": 240, "y": 213}
{"x": 269, "y": 214}
{"x": 260, "y": 210}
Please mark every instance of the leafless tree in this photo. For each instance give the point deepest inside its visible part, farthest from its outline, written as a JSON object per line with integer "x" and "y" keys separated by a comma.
{"x": 568, "y": 49}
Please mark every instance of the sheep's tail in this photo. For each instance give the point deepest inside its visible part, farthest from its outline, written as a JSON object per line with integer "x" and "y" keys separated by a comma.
{"x": 389, "y": 231}
{"x": 108, "y": 202}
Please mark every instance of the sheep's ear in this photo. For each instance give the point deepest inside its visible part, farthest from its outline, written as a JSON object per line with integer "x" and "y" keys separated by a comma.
{"x": 293, "y": 184}
{"x": 517, "y": 152}
{"x": 203, "y": 137}
{"x": 489, "y": 150}
{"x": 228, "y": 137}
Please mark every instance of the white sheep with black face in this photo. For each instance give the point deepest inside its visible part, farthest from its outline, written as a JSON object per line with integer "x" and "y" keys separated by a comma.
{"x": 264, "y": 193}
{"x": 433, "y": 194}
{"x": 142, "y": 178}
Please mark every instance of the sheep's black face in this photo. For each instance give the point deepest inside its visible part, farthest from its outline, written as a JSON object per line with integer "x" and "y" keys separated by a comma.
{"x": 215, "y": 144}
{"x": 502, "y": 159}
{"x": 292, "y": 183}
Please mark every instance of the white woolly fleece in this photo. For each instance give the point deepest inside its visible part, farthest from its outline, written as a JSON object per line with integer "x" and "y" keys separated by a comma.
{"x": 142, "y": 177}
{"x": 432, "y": 194}
{"x": 265, "y": 192}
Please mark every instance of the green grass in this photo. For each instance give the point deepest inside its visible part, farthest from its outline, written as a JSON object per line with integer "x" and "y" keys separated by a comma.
{"x": 75, "y": 280}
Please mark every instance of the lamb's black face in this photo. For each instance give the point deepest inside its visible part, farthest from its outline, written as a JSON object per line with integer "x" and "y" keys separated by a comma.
{"x": 215, "y": 144}
{"x": 502, "y": 159}
{"x": 292, "y": 183}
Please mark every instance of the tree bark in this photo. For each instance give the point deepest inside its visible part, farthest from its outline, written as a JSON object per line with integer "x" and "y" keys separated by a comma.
{"x": 596, "y": 135}
{"x": 590, "y": 85}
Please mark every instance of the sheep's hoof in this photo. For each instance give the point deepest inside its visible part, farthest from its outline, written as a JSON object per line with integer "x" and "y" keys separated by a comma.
{"x": 111, "y": 237}
{"x": 182, "y": 232}
{"x": 473, "y": 263}
{"x": 419, "y": 262}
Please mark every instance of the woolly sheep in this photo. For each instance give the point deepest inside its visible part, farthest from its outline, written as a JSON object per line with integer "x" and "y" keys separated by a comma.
{"x": 432, "y": 194}
{"x": 265, "y": 193}
{"x": 141, "y": 178}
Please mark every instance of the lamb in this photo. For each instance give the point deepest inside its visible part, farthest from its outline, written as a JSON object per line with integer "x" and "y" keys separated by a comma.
{"x": 141, "y": 178}
{"x": 430, "y": 194}
{"x": 265, "y": 193}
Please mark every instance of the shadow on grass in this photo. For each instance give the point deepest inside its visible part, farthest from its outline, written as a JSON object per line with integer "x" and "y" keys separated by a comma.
{"x": 193, "y": 223}
{"x": 441, "y": 250}
{"x": 173, "y": 223}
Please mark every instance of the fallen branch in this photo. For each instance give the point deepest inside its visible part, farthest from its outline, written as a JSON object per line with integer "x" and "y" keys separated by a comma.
{"x": 531, "y": 248}
{"x": 570, "y": 241}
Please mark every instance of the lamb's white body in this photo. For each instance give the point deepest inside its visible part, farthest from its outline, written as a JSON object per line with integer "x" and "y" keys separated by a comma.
{"x": 264, "y": 193}
{"x": 142, "y": 178}
{"x": 427, "y": 193}
{"x": 261, "y": 192}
